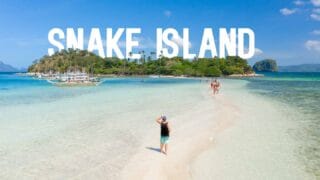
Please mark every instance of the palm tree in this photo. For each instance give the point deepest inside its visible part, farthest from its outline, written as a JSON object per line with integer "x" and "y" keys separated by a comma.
{"x": 161, "y": 54}
{"x": 195, "y": 58}
{"x": 143, "y": 57}
{"x": 160, "y": 58}
{"x": 130, "y": 55}
{"x": 125, "y": 62}
{"x": 141, "y": 60}
{"x": 152, "y": 53}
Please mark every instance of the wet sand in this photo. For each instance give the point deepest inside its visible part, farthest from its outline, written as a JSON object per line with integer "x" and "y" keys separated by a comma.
{"x": 236, "y": 135}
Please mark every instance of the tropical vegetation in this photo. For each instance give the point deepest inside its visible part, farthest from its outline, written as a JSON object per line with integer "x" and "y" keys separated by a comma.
{"x": 82, "y": 60}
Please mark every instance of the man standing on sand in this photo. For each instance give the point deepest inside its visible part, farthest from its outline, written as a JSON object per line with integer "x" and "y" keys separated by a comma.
{"x": 165, "y": 131}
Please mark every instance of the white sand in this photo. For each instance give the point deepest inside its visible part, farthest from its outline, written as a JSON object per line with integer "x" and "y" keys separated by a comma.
{"x": 111, "y": 133}
{"x": 150, "y": 164}
{"x": 235, "y": 136}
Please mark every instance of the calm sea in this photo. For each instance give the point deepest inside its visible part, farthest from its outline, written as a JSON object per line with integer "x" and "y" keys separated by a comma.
{"x": 32, "y": 110}
{"x": 301, "y": 91}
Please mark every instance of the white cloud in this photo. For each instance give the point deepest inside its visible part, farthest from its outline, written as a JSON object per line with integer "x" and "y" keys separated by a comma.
{"x": 286, "y": 11}
{"x": 167, "y": 13}
{"x": 313, "y": 45}
{"x": 178, "y": 40}
{"x": 315, "y": 2}
{"x": 315, "y": 16}
{"x": 144, "y": 43}
{"x": 298, "y": 2}
{"x": 316, "y": 10}
{"x": 316, "y": 32}
{"x": 258, "y": 52}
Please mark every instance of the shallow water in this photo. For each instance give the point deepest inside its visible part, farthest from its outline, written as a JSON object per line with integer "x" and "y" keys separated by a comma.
{"x": 302, "y": 92}
{"x": 56, "y": 133}
{"x": 260, "y": 144}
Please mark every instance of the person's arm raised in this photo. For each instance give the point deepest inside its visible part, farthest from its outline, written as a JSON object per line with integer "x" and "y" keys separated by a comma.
{"x": 159, "y": 120}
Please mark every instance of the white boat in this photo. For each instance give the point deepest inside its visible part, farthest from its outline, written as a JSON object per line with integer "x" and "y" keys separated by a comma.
{"x": 71, "y": 79}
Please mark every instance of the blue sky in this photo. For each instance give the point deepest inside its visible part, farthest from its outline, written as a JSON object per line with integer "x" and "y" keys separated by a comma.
{"x": 285, "y": 30}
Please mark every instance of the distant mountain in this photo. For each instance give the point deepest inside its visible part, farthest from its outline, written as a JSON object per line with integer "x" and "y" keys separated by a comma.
{"x": 23, "y": 70}
{"x": 7, "y": 68}
{"x": 300, "y": 68}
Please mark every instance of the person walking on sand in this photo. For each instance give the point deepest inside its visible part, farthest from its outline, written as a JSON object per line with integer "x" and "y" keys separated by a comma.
{"x": 165, "y": 133}
{"x": 216, "y": 87}
{"x": 212, "y": 86}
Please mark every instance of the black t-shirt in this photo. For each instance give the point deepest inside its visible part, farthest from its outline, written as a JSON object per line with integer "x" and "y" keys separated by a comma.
{"x": 164, "y": 129}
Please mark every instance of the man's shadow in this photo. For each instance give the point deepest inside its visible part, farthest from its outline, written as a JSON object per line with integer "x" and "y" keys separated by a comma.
{"x": 154, "y": 149}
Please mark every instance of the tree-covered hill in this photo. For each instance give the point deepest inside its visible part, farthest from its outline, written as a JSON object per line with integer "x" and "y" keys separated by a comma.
{"x": 267, "y": 65}
{"x": 80, "y": 60}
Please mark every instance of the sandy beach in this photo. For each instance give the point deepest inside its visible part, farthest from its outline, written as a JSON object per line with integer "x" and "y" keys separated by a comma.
{"x": 230, "y": 137}
{"x": 109, "y": 132}
{"x": 189, "y": 139}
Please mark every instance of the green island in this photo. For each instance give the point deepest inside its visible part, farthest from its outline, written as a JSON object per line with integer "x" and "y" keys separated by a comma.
{"x": 267, "y": 65}
{"x": 81, "y": 60}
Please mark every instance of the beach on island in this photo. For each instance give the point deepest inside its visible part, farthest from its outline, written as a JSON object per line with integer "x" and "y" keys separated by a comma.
{"x": 109, "y": 132}
{"x": 235, "y": 136}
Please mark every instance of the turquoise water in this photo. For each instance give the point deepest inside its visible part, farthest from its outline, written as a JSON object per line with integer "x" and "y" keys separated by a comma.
{"x": 301, "y": 91}
{"x": 45, "y": 128}
{"x": 16, "y": 90}
{"x": 61, "y": 133}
